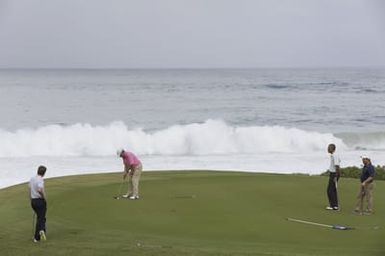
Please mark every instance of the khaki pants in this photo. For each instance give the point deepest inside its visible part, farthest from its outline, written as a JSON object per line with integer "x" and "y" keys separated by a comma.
{"x": 133, "y": 181}
{"x": 365, "y": 194}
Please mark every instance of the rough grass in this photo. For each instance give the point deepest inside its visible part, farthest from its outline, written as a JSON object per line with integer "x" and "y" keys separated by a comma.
{"x": 355, "y": 172}
{"x": 192, "y": 213}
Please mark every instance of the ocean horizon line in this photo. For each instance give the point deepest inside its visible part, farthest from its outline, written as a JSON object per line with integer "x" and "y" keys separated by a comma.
{"x": 191, "y": 68}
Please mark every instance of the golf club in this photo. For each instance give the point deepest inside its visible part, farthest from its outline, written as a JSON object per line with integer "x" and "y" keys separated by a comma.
{"x": 118, "y": 196}
{"x": 338, "y": 203}
{"x": 338, "y": 227}
{"x": 361, "y": 197}
{"x": 33, "y": 224}
{"x": 362, "y": 191}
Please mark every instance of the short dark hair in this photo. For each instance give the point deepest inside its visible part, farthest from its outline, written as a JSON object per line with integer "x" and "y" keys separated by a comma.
{"x": 41, "y": 170}
{"x": 332, "y": 146}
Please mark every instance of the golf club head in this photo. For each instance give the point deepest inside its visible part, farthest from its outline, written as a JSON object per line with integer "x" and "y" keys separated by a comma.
{"x": 117, "y": 197}
{"x": 338, "y": 227}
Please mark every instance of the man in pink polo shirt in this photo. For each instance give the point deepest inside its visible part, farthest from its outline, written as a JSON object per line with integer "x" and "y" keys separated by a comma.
{"x": 132, "y": 168}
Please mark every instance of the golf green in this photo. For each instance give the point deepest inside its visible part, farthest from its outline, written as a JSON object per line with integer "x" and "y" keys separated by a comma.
{"x": 192, "y": 213}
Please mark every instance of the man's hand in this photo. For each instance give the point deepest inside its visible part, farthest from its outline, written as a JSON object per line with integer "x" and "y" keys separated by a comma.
{"x": 338, "y": 171}
{"x": 41, "y": 192}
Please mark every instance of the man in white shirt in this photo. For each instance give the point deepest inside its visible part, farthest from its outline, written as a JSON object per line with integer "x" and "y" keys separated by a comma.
{"x": 334, "y": 175}
{"x": 38, "y": 203}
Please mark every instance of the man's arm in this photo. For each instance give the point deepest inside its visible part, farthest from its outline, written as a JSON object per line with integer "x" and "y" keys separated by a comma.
{"x": 41, "y": 192}
{"x": 338, "y": 173}
{"x": 132, "y": 171}
{"x": 370, "y": 178}
{"x": 367, "y": 181}
{"x": 338, "y": 170}
{"x": 127, "y": 171}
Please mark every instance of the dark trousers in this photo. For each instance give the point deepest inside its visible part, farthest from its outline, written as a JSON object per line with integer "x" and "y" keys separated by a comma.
{"x": 332, "y": 190}
{"x": 40, "y": 208}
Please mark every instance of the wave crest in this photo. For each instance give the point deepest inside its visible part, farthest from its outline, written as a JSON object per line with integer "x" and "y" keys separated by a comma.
{"x": 213, "y": 137}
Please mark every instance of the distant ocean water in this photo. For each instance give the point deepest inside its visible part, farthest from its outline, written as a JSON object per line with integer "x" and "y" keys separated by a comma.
{"x": 269, "y": 120}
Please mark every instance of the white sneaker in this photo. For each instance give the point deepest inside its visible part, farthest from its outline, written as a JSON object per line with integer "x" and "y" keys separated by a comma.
{"x": 42, "y": 235}
{"x": 125, "y": 196}
{"x": 132, "y": 197}
{"x": 34, "y": 240}
{"x": 329, "y": 208}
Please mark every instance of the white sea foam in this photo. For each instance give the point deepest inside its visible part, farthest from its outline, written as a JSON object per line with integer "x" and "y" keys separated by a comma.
{"x": 213, "y": 137}
{"x": 214, "y": 144}
{"x": 366, "y": 140}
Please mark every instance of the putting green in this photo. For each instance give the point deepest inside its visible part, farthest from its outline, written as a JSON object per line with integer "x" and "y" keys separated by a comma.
{"x": 192, "y": 213}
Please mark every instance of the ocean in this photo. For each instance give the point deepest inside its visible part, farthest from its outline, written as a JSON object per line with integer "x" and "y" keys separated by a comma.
{"x": 257, "y": 120}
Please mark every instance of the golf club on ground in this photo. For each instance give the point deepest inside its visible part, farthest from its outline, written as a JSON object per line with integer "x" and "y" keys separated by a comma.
{"x": 338, "y": 227}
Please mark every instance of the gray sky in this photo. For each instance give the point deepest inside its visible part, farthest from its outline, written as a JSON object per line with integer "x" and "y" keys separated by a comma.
{"x": 191, "y": 33}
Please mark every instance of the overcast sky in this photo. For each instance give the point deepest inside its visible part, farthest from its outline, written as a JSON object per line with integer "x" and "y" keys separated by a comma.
{"x": 191, "y": 33}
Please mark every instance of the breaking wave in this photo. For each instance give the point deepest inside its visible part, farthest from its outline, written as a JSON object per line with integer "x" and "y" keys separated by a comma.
{"x": 213, "y": 137}
{"x": 364, "y": 141}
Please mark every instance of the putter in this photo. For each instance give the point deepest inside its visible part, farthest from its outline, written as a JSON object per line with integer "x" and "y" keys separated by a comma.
{"x": 362, "y": 196}
{"x": 338, "y": 227}
{"x": 338, "y": 203}
{"x": 33, "y": 224}
{"x": 363, "y": 192}
{"x": 118, "y": 196}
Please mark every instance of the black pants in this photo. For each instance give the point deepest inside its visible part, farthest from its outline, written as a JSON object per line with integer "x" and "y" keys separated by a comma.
{"x": 332, "y": 190}
{"x": 40, "y": 208}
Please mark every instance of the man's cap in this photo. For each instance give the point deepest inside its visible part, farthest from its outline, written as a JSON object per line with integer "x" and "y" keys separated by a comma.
{"x": 119, "y": 151}
{"x": 365, "y": 157}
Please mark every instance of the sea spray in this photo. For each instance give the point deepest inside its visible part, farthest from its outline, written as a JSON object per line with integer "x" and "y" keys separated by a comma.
{"x": 212, "y": 137}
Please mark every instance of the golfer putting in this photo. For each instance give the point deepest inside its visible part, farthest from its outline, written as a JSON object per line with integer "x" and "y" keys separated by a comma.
{"x": 133, "y": 169}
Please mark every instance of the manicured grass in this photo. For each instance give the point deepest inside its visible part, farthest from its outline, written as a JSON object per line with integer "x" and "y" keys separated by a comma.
{"x": 192, "y": 213}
